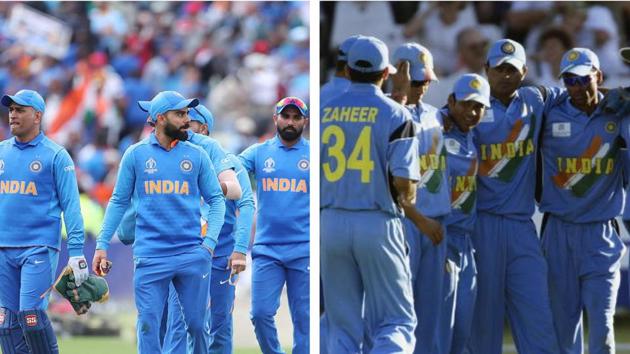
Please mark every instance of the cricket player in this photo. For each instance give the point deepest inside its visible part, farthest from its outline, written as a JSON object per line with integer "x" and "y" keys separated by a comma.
{"x": 427, "y": 248}
{"x": 582, "y": 169}
{"x": 229, "y": 256}
{"x": 167, "y": 176}
{"x": 512, "y": 272}
{"x": 340, "y": 82}
{"x": 466, "y": 106}
{"x": 37, "y": 184}
{"x": 281, "y": 248}
{"x": 369, "y": 167}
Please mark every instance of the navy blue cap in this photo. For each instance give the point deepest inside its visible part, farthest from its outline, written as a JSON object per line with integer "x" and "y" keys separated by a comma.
{"x": 27, "y": 98}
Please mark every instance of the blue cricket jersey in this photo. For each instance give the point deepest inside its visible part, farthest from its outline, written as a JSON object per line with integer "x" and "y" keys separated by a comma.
{"x": 282, "y": 190}
{"x": 582, "y": 174}
{"x": 220, "y": 162}
{"x": 366, "y": 139}
{"x": 167, "y": 187}
{"x": 333, "y": 88}
{"x": 37, "y": 184}
{"x": 507, "y": 138}
{"x": 234, "y": 235}
{"x": 462, "y": 166}
{"x": 434, "y": 198}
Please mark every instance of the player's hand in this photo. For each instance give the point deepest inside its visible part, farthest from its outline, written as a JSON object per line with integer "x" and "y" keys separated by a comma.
{"x": 100, "y": 263}
{"x": 401, "y": 81}
{"x": 79, "y": 269}
{"x": 617, "y": 101}
{"x": 237, "y": 262}
{"x": 432, "y": 229}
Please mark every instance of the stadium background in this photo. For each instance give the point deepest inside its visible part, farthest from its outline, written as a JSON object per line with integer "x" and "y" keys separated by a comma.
{"x": 93, "y": 60}
{"x": 458, "y": 35}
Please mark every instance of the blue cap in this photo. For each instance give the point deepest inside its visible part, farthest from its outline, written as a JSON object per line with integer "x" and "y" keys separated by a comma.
{"x": 344, "y": 47}
{"x": 292, "y": 101}
{"x": 27, "y": 98}
{"x": 202, "y": 115}
{"x": 579, "y": 61}
{"x": 168, "y": 101}
{"x": 420, "y": 60}
{"x": 369, "y": 55}
{"x": 507, "y": 51}
{"x": 472, "y": 87}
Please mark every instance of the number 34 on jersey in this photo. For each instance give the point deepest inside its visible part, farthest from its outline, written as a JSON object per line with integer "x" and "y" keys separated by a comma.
{"x": 336, "y": 148}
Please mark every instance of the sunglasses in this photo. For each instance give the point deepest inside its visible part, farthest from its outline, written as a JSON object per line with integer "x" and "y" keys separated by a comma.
{"x": 291, "y": 101}
{"x": 576, "y": 80}
{"x": 418, "y": 83}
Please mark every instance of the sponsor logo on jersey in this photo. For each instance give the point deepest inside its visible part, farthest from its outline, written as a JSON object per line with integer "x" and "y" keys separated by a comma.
{"x": 1, "y": 167}
{"x": 31, "y": 320}
{"x": 502, "y": 160}
{"x": 18, "y": 187}
{"x": 270, "y": 165}
{"x": 35, "y": 166}
{"x": 303, "y": 164}
{"x": 284, "y": 185}
{"x": 578, "y": 174}
{"x": 464, "y": 189}
{"x": 561, "y": 130}
{"x": 166, "y": 186}
{"x": 150, "y": 166}
{"x": 364, "y": 114}
{"x": 433, "y": 164}
{"x": 186, "y": 166}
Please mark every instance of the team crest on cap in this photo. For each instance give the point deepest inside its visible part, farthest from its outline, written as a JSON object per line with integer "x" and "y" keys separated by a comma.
{"x": 35, "y": 166}
{"x": 186, "y": 165}
{"x": 150, "y": 166}
{"x": 475, "y": 84}
{"x": 31, "y": 320}
{"x": 303, "y": 164}
{"x": 611, "y": 127}
{"x": 508, "y": 48}
{"x": 1, "y": 167}
{"x": 573, "y": 56}
{"x": 422, "y": 57}
{"x": 270, "y": 165}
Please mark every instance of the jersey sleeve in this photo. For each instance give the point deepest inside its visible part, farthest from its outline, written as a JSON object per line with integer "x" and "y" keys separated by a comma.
{"x": 402, "y": 149}
{"x": 68, "y": 192}
{"x": 245, "y": 207}
{"x": 120, "y": 200}
{"x": 248, "y": 158}
{"x": 213, "y": 196}
{"x": 218, "y": 157}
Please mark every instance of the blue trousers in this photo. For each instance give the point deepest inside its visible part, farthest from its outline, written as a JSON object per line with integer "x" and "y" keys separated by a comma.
{"x": 584, "y": 261}
{"x": 364, "y": 266}
{"x": 512, "y": 280}
{"x": 189, "y": 273}
{"x": 431, "y": 282}
{"x": 26, "y": 275}
{"x": 273, "y": 266}
{"x": 456, "y": 328}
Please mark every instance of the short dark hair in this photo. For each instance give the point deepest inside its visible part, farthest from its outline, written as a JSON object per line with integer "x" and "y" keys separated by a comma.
{"x": 558, "y": 33}
{"x": 341, "y": 65}
{"x": 365, "y": 78}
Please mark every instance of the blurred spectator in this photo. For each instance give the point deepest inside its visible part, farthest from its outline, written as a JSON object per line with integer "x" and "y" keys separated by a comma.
{"x": 552, "y": 44}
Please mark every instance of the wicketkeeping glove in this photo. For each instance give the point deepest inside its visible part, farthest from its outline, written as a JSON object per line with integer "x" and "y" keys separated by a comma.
{"x": 94, "y": 289}
{"x": 617, "y": 101}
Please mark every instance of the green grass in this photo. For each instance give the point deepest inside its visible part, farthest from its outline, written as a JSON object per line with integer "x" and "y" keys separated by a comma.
{"x": 109, "y": 345}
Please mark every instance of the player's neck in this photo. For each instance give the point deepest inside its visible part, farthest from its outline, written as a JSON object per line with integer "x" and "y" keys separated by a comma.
{"x": 288, "y": 143}
{"x": 165, "y": 141}
{"x": 27, "y": 137}
{"x": 504, "y": 98}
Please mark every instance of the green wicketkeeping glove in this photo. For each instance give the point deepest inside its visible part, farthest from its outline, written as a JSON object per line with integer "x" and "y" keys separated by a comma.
{"x": 94, "y": 289}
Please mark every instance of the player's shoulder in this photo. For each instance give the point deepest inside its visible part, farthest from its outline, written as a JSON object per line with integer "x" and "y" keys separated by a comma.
{"x": 51, "y": 145}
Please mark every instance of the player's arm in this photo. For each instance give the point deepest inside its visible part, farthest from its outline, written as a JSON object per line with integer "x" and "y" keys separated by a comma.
{"x": 213, "y": 196}
{"x": 116, "y": 208}
{"x": 225, "y": 167}
{"x": 248, "y": 158}
{"x": 244, "y": 220}
{"x": 68, "y": 194}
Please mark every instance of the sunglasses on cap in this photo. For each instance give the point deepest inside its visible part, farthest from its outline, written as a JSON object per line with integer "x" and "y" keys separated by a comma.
{"x": 292, "y": 101}
{"x": 576, "y": 80}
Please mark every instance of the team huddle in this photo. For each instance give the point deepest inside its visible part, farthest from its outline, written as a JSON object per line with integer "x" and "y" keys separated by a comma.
{"x": 426, "y": 221}
{"x": 185, "y": 205}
